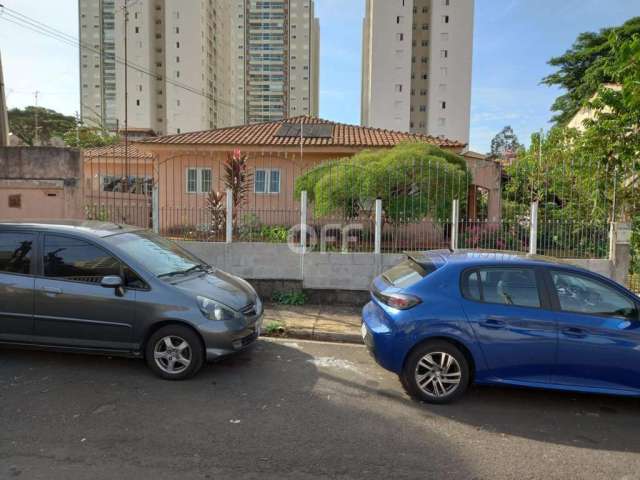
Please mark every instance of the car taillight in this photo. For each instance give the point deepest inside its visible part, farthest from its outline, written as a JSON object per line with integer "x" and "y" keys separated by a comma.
{"x": 400, "y": 301}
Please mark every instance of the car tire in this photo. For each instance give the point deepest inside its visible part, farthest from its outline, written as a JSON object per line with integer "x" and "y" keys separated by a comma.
{"x": 168, "y": 350}
{"x": 424, "y": 367}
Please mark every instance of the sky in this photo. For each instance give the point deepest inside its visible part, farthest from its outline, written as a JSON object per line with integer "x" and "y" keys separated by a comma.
{"x": 513, "y": 40}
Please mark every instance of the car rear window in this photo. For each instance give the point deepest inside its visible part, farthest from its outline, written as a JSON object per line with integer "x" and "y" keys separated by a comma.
{"x": 407, "y": 273}
{"x": 506, "y": 286}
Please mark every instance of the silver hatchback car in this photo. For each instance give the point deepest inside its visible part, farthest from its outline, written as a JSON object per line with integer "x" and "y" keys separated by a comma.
{"x": 103, "y": 288}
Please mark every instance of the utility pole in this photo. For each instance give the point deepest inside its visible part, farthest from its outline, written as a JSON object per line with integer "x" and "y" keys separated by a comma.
{"x": 36, "y": 137}
{"x": 4, "y": 119}
{"x": 126, "y": 89}
{"x": 78, "y": 129}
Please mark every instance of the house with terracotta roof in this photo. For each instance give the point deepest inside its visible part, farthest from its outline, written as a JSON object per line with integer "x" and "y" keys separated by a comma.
{"x": 187, "y": 167}
{"x": 190, "y": 165}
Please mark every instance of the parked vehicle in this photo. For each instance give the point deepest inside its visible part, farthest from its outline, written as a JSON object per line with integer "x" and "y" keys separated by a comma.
{"x": 444, "y": 320}
{"x": 103, "y": 288}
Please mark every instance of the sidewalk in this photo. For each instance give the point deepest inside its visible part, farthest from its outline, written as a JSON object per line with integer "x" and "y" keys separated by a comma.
{"x": 313, "y": 322}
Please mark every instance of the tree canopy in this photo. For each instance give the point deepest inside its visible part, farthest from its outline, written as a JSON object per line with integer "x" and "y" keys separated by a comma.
{"x": 88, "y": 137}
{"x": 414, "y": 181}
{"x": 505, "y": 144}
{"x": 582, "y": 69}
{"x": 22, "y": 123}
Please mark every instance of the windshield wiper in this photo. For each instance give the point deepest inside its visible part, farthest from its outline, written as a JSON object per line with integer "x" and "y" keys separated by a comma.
{"x": 201, "y": 267}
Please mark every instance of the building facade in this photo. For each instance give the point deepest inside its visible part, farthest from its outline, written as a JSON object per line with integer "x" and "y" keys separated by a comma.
{"x": 197, "y": 65}
{"x": 178, "y": 56}
{"x": 416, "y": 68}
{"x": 277, "y": 60}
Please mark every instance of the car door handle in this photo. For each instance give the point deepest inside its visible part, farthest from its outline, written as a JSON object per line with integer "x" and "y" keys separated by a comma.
{"x": 493, "y": 323}
{"x": 52, "y": 291}
{"x": 575, "y": 332}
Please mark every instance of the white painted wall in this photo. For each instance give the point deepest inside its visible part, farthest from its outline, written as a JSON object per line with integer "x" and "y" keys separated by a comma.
{"x": 388, "y": 66}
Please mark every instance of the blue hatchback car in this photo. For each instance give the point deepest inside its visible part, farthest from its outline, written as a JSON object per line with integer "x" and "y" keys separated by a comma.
{"x": 443, "y": 320}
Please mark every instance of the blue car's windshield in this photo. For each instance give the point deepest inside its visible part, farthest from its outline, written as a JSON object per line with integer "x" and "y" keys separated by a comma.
{"x": 158, "y": 255}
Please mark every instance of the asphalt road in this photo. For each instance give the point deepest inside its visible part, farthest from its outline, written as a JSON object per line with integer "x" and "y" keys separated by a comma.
{"x": 293, "y": 410}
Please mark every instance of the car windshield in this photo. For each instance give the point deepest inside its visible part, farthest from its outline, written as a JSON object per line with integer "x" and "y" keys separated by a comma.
{"x": 158, "y": 255}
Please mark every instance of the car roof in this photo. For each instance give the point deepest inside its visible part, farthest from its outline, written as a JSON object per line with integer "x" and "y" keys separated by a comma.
{"x": 89, "y": 228}
{"x": 484, "y": 257}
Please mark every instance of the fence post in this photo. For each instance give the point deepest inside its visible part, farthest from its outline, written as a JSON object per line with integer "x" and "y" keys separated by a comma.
{"x": 155, "y": 209}
{"x": 533, "y": 232}
{"x": 378, "y": 230}
{"x": 613, "y": 240}
{"x": 455, "y": 219}
{"x": 303, "y": 221}
{"x": 229, "y": 237}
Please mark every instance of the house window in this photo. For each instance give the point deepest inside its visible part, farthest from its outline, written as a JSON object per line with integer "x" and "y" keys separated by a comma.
{"x": 398, "y": 88}
{"x": 199, "y": 180}
{"x": 267, "y": 181}
{"x": 445, "y": 19}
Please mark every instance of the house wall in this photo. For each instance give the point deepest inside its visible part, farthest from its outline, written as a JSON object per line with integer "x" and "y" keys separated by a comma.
{"x": 178, "y": 208}
{"x": 40, "y": 182}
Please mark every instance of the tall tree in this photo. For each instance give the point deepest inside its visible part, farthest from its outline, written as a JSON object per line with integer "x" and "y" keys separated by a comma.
{"x": 22, "y": 123}
{"x": 505, "y": 144}
{"x": 89, "y": 137}
{"x": 583, "y": 68}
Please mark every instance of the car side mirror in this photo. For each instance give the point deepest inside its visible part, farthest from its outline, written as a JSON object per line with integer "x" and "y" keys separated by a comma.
{"x": 115, "y": 282}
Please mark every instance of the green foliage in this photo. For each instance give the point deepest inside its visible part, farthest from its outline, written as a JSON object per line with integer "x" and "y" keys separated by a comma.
{"x": 274, "y": 327}
{"x": 582, "y": 69}
{"x": 51, "y": 124}
{"x": 505, "y": 144}
{"x": 87, "y": 137}
{"x": 274, "y": 234}
{"x": 289, "y": 298}
{"x": 414, "y": 181}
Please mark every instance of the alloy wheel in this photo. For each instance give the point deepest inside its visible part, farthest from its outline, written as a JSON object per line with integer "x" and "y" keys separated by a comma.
{"x": 438, "y": 374}
{"x": 172, "y": 354}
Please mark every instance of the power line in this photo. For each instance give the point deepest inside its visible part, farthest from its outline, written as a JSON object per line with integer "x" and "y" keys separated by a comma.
{"x": 36, "y": 26}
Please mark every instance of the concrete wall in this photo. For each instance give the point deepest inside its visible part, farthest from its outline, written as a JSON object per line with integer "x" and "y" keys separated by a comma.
{"x": 40, "y": 182}
{"x": 327, "y": 271}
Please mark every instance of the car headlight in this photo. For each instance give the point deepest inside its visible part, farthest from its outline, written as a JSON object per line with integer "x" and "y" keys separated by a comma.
{"x": 216, "y": 311}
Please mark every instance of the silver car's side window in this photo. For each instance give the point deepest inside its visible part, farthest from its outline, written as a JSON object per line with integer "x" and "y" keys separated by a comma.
{"x": 16, "y": 252}
{"x": 67, "y": 258}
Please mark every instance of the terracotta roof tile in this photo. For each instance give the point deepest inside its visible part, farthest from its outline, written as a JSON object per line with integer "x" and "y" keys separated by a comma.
{"x": 264, "y": 134}
{"x": 117, "y": 151}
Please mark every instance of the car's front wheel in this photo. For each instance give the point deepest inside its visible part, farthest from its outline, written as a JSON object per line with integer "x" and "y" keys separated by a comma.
{"x": 436, "y": 372}
{"x": 174, "y": 352}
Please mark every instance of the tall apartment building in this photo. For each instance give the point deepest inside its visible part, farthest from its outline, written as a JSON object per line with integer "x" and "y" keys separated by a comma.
{"x": 277, "y": 67}
{"x": 416, "y": 69}
{"x": 179, "y": 76}
{"x": 195, "y": 65}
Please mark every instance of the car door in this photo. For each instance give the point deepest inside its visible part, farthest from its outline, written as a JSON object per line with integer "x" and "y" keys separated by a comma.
{"x": 510, "y": 316}
{"x": 71, "y": 307}
{"x": 16, "y": 285}
{"x": 599, "y": 332}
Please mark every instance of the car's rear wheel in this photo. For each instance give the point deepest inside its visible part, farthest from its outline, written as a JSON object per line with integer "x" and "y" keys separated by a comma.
{"x": 174, "y": 352}
{"x": 436, "y": 372}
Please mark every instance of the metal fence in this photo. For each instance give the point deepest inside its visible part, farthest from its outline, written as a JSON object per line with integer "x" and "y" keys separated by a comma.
{"x": 413, "y": 204}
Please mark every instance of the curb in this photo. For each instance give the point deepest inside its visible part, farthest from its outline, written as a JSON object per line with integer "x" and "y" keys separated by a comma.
{"x": 333, "y": 337}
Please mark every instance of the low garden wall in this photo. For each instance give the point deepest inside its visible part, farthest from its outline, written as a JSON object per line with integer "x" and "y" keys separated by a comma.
{"x": 275, "y": 266}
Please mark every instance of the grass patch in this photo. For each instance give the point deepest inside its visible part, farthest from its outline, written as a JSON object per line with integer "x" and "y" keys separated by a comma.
{"x": 289, "y": 298}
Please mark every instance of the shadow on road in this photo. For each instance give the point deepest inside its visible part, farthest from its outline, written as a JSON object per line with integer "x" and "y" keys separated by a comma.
{"x": 578, "y": 420}
{"x": 266, "y": 413}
